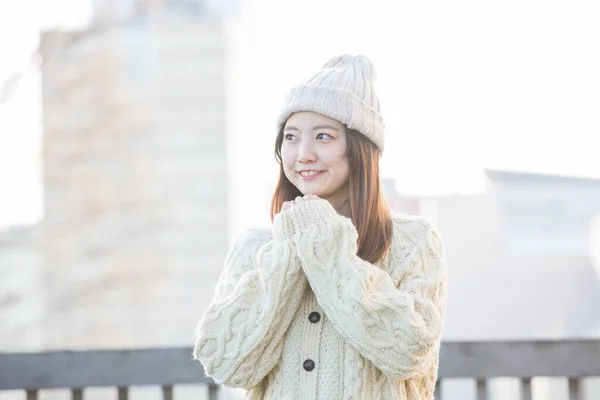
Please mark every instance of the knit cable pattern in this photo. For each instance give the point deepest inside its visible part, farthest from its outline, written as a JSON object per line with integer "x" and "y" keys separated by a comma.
{"x": 239, "y": 336}
{"x": 385, "y": 319}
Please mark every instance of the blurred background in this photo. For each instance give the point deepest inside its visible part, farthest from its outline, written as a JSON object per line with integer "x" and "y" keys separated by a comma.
{"x": 136, "y": 143}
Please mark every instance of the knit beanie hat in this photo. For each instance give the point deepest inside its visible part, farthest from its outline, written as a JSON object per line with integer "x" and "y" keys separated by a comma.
{"x": 342, "y": 90}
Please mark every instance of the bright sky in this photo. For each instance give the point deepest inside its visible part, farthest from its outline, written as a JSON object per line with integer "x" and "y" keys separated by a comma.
{"x": 464, "y": 85}
{"x": 20, "y": 116}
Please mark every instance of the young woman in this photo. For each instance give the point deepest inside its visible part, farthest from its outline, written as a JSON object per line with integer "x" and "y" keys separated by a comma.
{"x": 338, "y": 299}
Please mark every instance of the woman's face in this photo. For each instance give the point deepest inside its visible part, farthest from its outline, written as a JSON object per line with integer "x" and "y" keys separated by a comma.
{"x": 314, "y": 159}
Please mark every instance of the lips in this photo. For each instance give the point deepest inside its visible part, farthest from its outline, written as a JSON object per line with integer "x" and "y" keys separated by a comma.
{"x": 310, "y": 174}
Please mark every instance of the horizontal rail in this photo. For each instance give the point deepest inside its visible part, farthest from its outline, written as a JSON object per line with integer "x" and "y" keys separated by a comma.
{"x": 172, "y": 366}
{"x": 80, "y": 369}
{"x": 520, "y": 359}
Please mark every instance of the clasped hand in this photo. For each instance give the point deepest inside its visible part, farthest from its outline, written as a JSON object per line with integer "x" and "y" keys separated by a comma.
{"x": 298, "y": 200}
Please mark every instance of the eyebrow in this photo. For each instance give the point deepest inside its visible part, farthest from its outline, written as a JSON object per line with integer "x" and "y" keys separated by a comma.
{"x": 331, "y": 127}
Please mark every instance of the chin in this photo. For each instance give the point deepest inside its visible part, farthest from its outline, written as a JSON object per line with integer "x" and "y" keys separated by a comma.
{"x": 306, "y": 192}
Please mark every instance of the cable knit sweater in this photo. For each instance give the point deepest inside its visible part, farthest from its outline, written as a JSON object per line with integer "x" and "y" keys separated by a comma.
{"x": 298, "y": 315}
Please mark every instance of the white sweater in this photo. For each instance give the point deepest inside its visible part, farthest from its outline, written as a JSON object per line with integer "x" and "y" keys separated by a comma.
{"x": 373, "y": 333}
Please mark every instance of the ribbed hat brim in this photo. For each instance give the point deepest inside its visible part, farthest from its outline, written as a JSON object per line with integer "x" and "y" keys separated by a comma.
{"x": 339, "y": 104}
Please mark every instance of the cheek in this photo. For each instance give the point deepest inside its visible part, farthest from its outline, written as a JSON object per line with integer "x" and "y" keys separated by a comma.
{"x": 342, "y": 168}
{"x": 284, "y": 155}
{"x": 287, "y": 159}
{"x": 345, "y": 169}
{"x": 337, "y": 160}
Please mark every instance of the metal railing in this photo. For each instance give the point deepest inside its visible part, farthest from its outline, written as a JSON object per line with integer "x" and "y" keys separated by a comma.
{"x": 481, "y": 361}
{"x": 77, "y": 370}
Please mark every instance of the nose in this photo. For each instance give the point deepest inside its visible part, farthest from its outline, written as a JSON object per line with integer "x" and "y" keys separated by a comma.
{"x": 306, "y": 153}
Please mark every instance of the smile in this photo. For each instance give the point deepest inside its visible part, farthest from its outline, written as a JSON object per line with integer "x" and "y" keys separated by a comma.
{"x": 308, "y": 175}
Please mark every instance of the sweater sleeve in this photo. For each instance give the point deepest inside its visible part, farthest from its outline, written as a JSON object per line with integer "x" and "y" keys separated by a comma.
{"x": 239, "y": 338}
{"x": 396, "y": 324}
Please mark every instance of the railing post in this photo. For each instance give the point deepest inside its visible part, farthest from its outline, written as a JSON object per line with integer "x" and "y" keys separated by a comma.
{"x": 123, "y": 393}
{"x": 481, "y": 389}
{"x": 77, "y": 394}
{"x": 575, "y": 389}
{"x": 526, "y": 389}
{"x": 213, "y": 391}
{"x": 167, "y": 392}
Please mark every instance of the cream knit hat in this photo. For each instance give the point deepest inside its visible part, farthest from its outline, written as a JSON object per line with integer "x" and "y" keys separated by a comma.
{"x": 342, "y": 90}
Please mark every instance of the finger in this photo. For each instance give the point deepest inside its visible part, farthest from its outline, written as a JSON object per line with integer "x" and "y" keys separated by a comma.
{"x": 299, "y": 200}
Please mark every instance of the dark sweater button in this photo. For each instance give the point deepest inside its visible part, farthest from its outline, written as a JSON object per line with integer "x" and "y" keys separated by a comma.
{"x": 314, "y": 317}
{"x": 309, "y": 365}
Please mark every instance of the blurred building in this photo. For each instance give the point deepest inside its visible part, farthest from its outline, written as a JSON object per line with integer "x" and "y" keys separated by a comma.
{"x": 20, "y": 289}
{"x": 523, "y": 250}
{"x": 135, "y": 174}
{"x": 519, "y": 260}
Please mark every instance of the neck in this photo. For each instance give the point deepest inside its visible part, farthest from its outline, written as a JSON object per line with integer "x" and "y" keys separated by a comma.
{"x": 344, "y": 208}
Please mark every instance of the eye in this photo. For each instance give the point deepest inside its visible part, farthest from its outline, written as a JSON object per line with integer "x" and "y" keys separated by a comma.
{"x": 289, "y": 137}
{"x": 322, "y": 136}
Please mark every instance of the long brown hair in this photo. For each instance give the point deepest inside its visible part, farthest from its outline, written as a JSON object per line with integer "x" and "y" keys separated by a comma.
{"x": 368, "y": 208}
